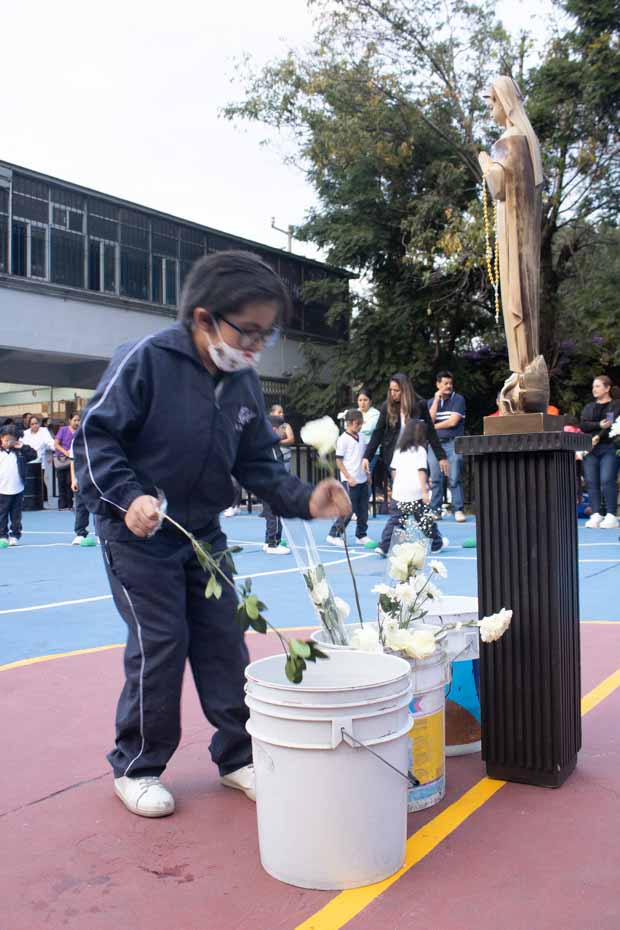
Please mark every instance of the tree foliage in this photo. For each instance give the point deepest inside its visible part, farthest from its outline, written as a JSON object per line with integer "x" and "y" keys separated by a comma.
{"x": 386, "y": 113}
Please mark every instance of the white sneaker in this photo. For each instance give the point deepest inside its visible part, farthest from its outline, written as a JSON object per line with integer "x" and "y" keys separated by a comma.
{"x": 335, "y": 541}
{"x": 610, "y": 522}
{"x": 364, "y": 540}
{"x": 243, "y": 779}
{"x": 13, "y": 541}
{"x": 460, "y": 517}
{"x": 595, "y": 521}
{"x": 277, "y": 550}
{"x": 444, "y": 542}
{"x": 146, "y": 796}
{"x": 231, "y": 512}
{"x": 77, "y": 541}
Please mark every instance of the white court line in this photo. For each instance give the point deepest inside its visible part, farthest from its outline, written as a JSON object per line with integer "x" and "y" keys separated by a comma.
{"x": 81, "y": 600}
{"x": 108, "y": 597}
{"x": 42, "y": 545}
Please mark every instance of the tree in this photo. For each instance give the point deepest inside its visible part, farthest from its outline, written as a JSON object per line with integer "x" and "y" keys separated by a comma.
{"x": 386, "y": 115}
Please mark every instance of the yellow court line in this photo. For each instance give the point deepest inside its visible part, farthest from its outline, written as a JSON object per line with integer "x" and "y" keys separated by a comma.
{"x": 602, "y": 622}
{"x": 82, "y": 652}
{"x": 59, "y": 655}
{"x": 348, "y": 904}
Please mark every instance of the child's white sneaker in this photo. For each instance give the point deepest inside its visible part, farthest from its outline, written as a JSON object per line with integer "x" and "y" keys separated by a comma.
{"x": 335, "y": 541}
{"x": 243, "y": 779}
{"x": 610, "y": 522}
{"x": 276, "y": 550}
{"x": 146, "y": 796}
{"x": 595, "y": 521}
{"x": 77, "y": 541}
{"x": 13, "y": 541}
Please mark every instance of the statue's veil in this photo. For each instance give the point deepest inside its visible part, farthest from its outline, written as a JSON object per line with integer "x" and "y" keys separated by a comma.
{"x": 512, "y": 101}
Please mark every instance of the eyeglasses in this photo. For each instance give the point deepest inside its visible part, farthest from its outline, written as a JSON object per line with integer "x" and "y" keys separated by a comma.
{"x": 250, "y": 338}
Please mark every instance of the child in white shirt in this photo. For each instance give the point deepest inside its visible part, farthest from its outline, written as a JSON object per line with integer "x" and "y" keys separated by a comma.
{"x": 350, "y": 451}
{"x": 14, "y": 456}
{"x": 410, "y": 491}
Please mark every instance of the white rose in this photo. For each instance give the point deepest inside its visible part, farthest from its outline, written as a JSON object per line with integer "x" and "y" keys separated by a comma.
{"x": 439, "y": 568}
{"x": 412, "y": 553}
{"x": 396, "y": 638}
{"x": 320, "y": 592}
{"x": 321, "y": 435}
{"x": 399, "y": 569}
{"x": 493, "y": 627}
{"x": 366, "y": 640}
{"x": 343, "y": 608}
{"x": 421, "y": 644}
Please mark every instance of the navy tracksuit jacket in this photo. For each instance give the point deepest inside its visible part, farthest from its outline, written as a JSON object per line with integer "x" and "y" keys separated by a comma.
{"x": 160, "y": 421}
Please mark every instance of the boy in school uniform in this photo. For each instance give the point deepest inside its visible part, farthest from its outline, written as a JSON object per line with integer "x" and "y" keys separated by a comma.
{"x": 14, "y": 456}
{"x": 350, "y": 451}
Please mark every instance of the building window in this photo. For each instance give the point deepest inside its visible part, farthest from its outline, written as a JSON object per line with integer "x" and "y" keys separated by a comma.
{"x": 67, "y": 258}
{"x": 102, "y": 220}
{"x": 164, "y": 280}
{"x": 134, "y": 273}
{"x": 29, "y": 250}
{"x": 101, "y": 266}
{"x": 4, "y": 230}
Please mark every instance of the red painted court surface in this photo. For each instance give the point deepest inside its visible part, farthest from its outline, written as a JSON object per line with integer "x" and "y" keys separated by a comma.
{"x": 515, "y": 858}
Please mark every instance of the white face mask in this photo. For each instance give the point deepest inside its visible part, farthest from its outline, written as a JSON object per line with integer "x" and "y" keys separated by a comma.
{"x": 228, "y": 358}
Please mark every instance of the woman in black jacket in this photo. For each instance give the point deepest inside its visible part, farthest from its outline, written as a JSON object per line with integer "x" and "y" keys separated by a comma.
{"x": 402, "y": 405}
{"x": 600, "y": 466}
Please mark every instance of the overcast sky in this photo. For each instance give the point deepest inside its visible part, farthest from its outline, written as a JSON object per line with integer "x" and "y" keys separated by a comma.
{"x": 123, "y": 97}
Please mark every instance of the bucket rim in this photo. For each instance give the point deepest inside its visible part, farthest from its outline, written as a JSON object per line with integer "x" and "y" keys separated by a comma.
{"x": 405, "y": 674}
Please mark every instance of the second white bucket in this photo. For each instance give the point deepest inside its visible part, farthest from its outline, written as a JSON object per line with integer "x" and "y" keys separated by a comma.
{"x": 331, "y": 815}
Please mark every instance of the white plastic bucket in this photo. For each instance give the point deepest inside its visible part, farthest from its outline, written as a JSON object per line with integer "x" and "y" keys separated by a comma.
{"x": 330, "y": 814}
{"x": 429, "y": 678}
{"x": 463, "y": 649}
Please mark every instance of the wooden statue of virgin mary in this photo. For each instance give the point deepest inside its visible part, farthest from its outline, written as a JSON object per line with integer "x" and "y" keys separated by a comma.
{"x": 513, "y": 173}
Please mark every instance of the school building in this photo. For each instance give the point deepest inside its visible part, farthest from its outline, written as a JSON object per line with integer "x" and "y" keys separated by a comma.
{"x": 81, "y": 272}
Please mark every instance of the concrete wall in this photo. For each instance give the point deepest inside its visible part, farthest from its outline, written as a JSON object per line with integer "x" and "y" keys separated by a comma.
{"x": 60, "y": 340}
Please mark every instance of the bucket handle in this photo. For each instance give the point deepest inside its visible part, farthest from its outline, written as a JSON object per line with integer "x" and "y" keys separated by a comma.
{"x": 410, "y": 778}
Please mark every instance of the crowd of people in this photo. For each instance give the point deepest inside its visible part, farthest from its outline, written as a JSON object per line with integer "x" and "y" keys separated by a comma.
{"x": 374, "y": 444}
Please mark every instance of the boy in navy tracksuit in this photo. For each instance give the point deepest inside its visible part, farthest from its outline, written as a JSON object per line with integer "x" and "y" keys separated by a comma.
{"x": 132, "y": 444}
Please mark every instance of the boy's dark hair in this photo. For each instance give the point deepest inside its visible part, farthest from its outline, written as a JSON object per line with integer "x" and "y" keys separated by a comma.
{"x": 444, "y": 374}
{"x": 226, "y": 281}
{"x": 353, "y": 416}
{"x": 412, "y": 436}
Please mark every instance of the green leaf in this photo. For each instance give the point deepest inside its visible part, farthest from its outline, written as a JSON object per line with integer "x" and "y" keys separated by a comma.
{"x": 242, "y": 617}
{"x": 319, "y": 572}
{"x": 247, "y": 585}
{"x": 217, "y": 587}
{"x": 316, "y": 653}
{"x": 290, "y": 669}
{"x": 209, "y": 590}
{"x": 262, "y": 606}
{"x": 235, "y": 549}
{"x": 299, "y": 648}
{"x": 251, "y": 607}
{"x": 260, "y": 625}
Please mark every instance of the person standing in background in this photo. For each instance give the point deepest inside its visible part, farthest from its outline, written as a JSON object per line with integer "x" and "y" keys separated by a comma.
{"x": 41, "y": 440}
{"x": 600, "y": 465}
{"x": 447, "y": 411}
{"x": 14, "y": 456}
{"x": 62, "y": 462}
{"x": 286, "y": 434}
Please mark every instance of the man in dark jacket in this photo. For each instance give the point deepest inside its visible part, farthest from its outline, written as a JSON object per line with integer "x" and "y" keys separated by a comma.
{"x": 180, "y": 414}
{"x": 14, "y": 456}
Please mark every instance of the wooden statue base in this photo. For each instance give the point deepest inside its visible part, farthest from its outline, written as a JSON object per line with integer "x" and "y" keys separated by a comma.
{"x": 523, "y": 423}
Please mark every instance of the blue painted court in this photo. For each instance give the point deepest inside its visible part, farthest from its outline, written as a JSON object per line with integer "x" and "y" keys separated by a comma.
{"x": 55, "y": 596}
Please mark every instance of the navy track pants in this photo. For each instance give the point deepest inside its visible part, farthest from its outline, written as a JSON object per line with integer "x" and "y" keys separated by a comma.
{"x": 159, "y": 590}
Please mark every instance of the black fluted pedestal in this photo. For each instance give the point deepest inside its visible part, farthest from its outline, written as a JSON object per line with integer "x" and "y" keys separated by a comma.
{"x": 530, "y": 690}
